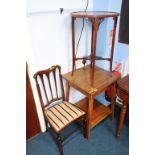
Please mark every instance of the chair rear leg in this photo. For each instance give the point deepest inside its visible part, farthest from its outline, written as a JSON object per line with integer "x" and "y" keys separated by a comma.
{"x": 46, "y": 124}
{"x": 59, "y": 143}
{"x": 85, "y": 127}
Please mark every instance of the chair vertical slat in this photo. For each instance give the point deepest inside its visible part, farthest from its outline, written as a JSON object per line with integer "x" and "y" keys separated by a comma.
{"x": 42, "y": 80}
{"x": 54, "y": 72}
{"x": 50, "y": 85}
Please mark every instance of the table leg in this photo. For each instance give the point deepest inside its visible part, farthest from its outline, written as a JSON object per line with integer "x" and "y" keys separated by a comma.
{"x": 67, "y": 91}
{"x": 113, "y": 41}
{"x": 92, "y": 38}
{"x": 90, "y": 109}
{"x": 73, "y": 45}
{"x": 113, "y": 101}
{"x": 121, "y": 120}
{"x": 95, "y": 26}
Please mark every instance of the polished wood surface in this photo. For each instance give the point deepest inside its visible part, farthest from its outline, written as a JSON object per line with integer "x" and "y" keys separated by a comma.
{"x": 92, "y": 14}
{"x": 123, "y": 93}
{"x": 99, "y": 112}
{"x": 95, "y": 18}
{"x": 81, "y": 80}
{"x": 124, "y": 84}
{"x": 32, "y": 121}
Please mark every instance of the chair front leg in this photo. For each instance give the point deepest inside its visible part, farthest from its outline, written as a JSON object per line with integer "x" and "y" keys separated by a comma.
{"x": 59, "y": 143}
{"x": 46, "y": 124}
{"x": 85, "y": 127}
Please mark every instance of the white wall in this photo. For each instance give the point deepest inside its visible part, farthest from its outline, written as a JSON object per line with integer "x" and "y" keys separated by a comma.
{"x": 51, "y": 39}
{"x": 121, "y": 51}
{"x": 45, "y": 5}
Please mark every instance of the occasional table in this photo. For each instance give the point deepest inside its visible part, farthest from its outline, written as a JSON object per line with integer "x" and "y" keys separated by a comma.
{"x": 123, "y": 93}
{"x": 81, "y": 81}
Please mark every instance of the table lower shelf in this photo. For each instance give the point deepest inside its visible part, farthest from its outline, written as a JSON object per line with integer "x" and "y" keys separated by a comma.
{"x": 99, "y": 112}
{"x": 96, "y": 58}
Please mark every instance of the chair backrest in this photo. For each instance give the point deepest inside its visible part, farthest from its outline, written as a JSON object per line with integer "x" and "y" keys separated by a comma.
{"x": 49, "y": 86}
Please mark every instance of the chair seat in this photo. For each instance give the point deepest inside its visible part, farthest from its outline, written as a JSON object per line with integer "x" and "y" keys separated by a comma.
{"x": 62, "y": 114}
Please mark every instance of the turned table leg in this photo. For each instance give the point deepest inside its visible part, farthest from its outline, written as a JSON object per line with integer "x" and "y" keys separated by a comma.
{"x": 121, "y": 119}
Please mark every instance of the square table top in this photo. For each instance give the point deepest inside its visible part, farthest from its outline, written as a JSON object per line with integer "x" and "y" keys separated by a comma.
{"x": 81, "y": 80}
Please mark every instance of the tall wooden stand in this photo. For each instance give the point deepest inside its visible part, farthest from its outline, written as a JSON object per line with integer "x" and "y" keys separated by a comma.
{"x": 95, "y": 18}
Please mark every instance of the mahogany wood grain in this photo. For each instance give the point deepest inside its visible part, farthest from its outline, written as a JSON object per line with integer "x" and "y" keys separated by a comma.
{"x": 99, "y": 111}
{"x": 81, "y": 80}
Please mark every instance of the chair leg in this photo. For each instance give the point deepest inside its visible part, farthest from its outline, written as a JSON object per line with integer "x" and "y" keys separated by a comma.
{"x": 59, "y": 143}
{"x": 85, "y": 128}
{"x": 46, "y": 124}
{"x": 121, "y": 120}
{"x": 127, "y": 113}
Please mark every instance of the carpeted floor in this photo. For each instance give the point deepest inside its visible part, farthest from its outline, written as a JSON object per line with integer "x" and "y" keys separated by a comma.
{"x": 103, "y": 142}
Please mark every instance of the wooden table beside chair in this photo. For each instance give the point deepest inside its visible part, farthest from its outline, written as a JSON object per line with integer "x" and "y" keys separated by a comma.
{"x": 81, "y": 81}
{"x": 123, "y": 93}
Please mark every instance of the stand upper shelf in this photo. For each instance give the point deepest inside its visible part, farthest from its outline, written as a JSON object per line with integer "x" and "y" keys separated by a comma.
{"x": 94, "y": 14}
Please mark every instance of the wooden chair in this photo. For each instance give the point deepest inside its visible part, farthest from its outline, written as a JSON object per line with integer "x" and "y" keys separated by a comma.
{"x": 58, "y": 113}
